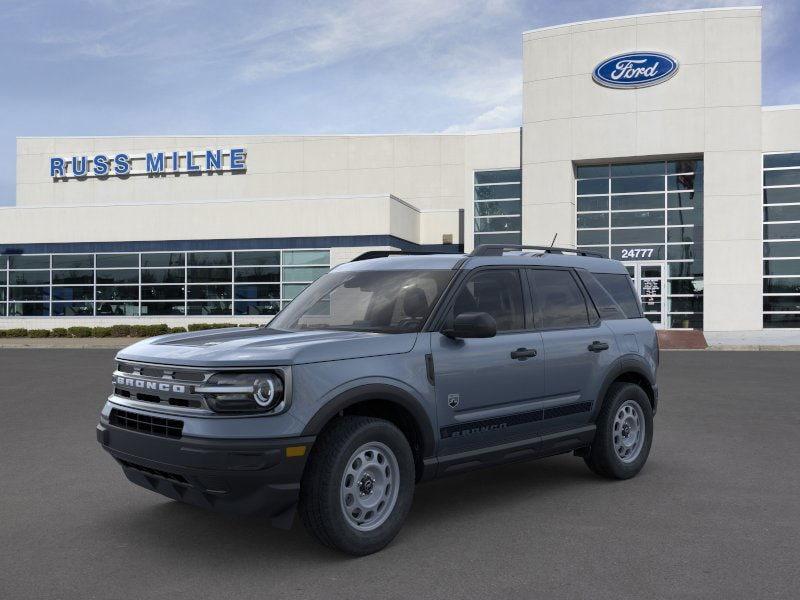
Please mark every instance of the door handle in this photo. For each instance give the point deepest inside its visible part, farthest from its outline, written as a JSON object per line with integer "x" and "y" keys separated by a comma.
{"x": 597, "y": 346}
{"x": 523, "y": 353}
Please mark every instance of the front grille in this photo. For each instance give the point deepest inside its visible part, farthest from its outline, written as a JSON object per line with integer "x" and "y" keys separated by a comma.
{"x": 160, "y": 385}
{"x": 169, "y": 428}
{"x": 157, "y": 472}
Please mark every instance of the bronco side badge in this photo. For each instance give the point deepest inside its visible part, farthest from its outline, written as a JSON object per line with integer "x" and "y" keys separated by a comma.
{"x": 452, "y": 400}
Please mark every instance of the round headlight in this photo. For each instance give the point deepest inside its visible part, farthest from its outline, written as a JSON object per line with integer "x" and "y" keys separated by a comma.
{"x": 268, "y": 391}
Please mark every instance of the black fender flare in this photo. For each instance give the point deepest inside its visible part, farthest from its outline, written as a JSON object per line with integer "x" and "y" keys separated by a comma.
{"x": 630, "y": 363}
{"x": 376, "y": 391}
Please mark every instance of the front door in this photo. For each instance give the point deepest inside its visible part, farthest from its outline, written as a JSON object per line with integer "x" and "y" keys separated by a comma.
{"x": 649, "y": 280}
{"x": 487, "y": 388}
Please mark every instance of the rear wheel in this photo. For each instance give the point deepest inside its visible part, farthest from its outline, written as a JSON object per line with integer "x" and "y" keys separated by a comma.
{"x": 624, "y": 433}
{"x": 357, "y": 489}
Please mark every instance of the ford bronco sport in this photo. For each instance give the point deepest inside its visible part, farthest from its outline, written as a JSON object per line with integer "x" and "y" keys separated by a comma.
{"x": 385, "y": 372}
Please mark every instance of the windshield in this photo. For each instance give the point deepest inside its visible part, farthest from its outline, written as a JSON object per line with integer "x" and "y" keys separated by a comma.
{"x": 379, "y": 301}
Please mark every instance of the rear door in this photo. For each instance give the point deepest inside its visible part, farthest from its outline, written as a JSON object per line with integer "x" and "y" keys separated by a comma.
{"x": 486, "y": 389}
{"x": 578, "y": 347}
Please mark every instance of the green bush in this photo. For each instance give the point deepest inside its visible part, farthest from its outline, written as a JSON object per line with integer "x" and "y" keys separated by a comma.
{"x": 80, "y": 332}
{"x": 120, "y": 330}
{"x": 16, "y": 332}
{"x": 38, "y": 333}
{"x": 59, "y": 332}
{"x": 177, "y": 330}
{"x": 202, "y": 326}
{"x": 101, "y": 332}
{"x": 149, "y": 330}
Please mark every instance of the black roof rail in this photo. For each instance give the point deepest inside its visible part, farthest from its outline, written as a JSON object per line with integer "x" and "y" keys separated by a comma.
{"x": 384, "y": 253}
{"x": 498, "y": 249}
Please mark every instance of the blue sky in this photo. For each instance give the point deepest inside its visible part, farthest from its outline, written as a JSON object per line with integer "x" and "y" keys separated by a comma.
{"x": 152, "y": 67}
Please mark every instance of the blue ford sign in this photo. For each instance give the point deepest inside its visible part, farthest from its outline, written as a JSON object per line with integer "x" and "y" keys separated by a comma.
{"x": 635, "y": 70}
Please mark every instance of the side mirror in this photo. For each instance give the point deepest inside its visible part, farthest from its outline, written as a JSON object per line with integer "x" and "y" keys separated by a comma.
{"x": 472, "y": 325}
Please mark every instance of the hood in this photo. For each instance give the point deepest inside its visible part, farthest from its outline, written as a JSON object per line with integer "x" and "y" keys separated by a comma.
{"x": 257, "y": 346}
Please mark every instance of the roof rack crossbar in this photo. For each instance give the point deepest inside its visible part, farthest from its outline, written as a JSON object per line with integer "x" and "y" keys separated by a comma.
{"x": 498, "y": 249}
{"x": 384, "y": 253}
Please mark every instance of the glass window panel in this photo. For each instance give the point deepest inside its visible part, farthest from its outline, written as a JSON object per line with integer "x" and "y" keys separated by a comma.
{"x": 680, "y": 234}
{"x": 587, "y": 171}
{"x": 306, "y": 274}
{"x": 637, "y": 236}
{"x": 29, "y": 277}
{"x": 693, "y": 304}
{"x": 559, "y": 301}
{"x": 2, "y": 277}
{"x": 209, "y": 275}
{"x": 592, "y": 186}
{"x": 494, "y": 192}
{"x": 637, "y": 202}
{"x": 593, "y": 237}
{"x": 775, "y": 321}
{"x": 163, "y": 276}
{"x": 306, "y": 257}
{"x": 686, "y": 321}
{"x": 25, "y": 261}
{"x": 2, "y": 294}
{"x": 498, "y": 224}
{"x": 498, "y": 238}
{"x": 782, "y": 249}
{"x": 162, "y": 292}
{"x": 62, "y": 277}
{"x": 685, "y": 199}
{"x": 506, "y": 175}
{"x": 683, "y": 217}
{"x": 680, "y": 252}
{"x": 782, "y": 267}
{"x": 209, "y": 292}
{"x": 209, "y": 259}
{"x": 3, "y": 262}
{"x": 28, "y": 309}
{"x": 164, "y": 259}
{"x": 73, "y": 261}
{"x": 506, "y": 207}
{"x": 640, "y": 252}
{"x": 162, "y": 308}
{"x": 256, "y": 292}
{"x": 83, "y": 292}
{"x": 685, "y": 286}
{"x": 116, "y": 292}
{"x": 117, "y": 309}
{"x": 118, "y": 276}
{"x": 681, "y": 269}
{"x": 29, "y": 293}
{"x": 3, "y": 309}
{"x": 782, "y": 195}
{"x": 593, "y": 203}
{"x": 209, "y": 308}
{"x": 782, "y": 231}
{"x": 684, "y": 166}
{"x": 683, "y": 182}
{"x": 270, "y": 257}
{"x": 782, "y": 285}
{"x": 648, "y": 168}
{"x": 637, "y": 184}
{"x": 290, "y": 291}
{"x": 593, "y": 220}
{"x": 782, "y": 213}
{"x": 788, "y": 177}
{"x": 602, "y": 251}
{"x": 73, "y": 309}
{"x": 782, "y": 303}
{"x": 246, "y": 274}
{"x": 621, "y": 290}
{"x": 256, "y": 308}
{"x": 790, "y": 159}
{"x": 114, "y": 261}
{"x": 637, "y": 219}
{"x": 497, "y": 292}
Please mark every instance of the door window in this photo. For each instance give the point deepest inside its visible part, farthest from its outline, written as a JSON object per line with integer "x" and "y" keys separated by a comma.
{"x": 559, "y": 301}
{"x": 496, "y": 292}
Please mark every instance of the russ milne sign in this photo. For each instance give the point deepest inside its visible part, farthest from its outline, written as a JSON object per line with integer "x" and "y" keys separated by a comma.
{"x": 151, "y": 163}
{"x": 635, "y": 70}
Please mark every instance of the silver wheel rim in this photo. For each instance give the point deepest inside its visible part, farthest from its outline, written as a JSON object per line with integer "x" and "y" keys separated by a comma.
{"x": 369, "y": 487}
{"x": 629, "y": 431}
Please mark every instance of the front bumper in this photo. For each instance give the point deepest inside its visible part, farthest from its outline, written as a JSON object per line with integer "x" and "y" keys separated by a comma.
{"x": 246, "y": 477}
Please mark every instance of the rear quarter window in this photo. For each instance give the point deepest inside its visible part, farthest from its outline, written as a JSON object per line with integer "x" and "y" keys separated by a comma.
{"x": 620, "y": 288}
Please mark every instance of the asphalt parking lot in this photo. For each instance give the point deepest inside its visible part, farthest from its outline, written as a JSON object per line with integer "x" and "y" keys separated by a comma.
{"x": 714, "y": 514}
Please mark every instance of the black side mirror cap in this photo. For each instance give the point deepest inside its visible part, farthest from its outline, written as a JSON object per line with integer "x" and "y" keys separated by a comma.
{"x": 472, "y": 325}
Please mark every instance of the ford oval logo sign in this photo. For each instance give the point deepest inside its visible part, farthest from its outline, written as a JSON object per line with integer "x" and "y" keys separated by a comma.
{"x": 635, "y": 70}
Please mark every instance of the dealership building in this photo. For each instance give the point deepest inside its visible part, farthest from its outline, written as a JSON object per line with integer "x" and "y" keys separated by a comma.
{"x": 643, "y": 138}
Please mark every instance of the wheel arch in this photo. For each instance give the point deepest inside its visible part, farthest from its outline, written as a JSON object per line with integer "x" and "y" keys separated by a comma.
{"x": 630, "y": 369}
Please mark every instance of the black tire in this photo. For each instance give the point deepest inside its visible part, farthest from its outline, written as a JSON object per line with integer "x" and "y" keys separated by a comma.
{"x": 320, "y": 506}
{"x": 602, "y": 457}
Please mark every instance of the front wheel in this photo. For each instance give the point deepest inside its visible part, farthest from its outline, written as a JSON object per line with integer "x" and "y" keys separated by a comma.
{"x": 357, "y": 489}
{"x": 624, "y": 433}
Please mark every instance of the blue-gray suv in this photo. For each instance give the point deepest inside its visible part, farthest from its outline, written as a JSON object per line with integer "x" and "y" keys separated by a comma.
{"x": 390, "y": 370}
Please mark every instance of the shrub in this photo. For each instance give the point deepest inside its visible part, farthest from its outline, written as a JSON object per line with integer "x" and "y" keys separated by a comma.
{"x": 38, "y": 333}
{"x": 149, "y": 330}
{"x": 177, "y": 330}
{"x": 101, "y": 332}
{"x": 80, "y": 332}
{"x": 16, "y": 332}
{"x": 120, "y": 330}
{"x": 202, "y": 326}
{"x": 59, "y": 332}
